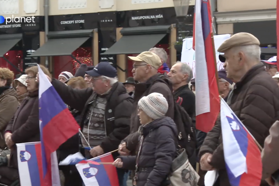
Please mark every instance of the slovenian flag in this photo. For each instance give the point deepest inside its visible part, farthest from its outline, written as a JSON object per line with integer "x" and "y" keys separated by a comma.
{"x": 29, "y": 157}
{"x": 242, "y": 155}
{"x": 57, "y": 124}
{"x": 99, "y": 175}
{"x": 207, "y": 94}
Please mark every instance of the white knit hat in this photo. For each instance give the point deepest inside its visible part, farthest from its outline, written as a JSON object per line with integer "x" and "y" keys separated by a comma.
{"x": 22, "y": 79}
{"x": 66, "y": 74}
{"x": 154, "y": 105}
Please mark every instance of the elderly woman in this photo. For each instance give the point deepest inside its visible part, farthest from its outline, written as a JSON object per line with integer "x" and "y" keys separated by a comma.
{"x": 21, "y": 87}
{"x": 157, "y": 143}
{"x": 24, "y": 126}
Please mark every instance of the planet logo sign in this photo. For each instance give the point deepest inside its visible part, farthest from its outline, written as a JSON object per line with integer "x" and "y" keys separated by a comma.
{"x": 16, "y": 20}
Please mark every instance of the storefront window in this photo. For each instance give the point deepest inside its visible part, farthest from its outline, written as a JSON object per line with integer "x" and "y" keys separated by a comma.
{"x": 67, "y": 63}
{"x": 130, "y": 62}
{"x": 16, "y": 58}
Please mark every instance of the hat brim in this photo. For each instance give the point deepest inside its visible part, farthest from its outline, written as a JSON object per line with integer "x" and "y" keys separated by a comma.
{"x": 134, "y": 58}
{"x": 128, "y": 83}
{"x": 222, "y": 58}
{"x": 270, "y": 63}
{"x": 92, "y": 73}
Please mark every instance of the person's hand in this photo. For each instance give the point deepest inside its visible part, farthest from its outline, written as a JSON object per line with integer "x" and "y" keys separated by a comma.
{"x": 96, "y": 151}
{"x": 122, "y": 150}
{"x": 204, "y": 162}
{"x": 118, "y": 163}
{"x": 270, "y": 181}
{"x": 7, "y": 134}
{"x": 9, "y": 141}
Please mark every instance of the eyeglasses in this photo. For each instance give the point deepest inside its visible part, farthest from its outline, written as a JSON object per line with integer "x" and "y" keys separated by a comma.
{"x": 136, "y": 66}
{"x": 28, "y": 77}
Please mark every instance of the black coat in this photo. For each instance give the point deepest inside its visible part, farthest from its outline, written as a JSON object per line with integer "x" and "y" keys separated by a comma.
{"x": 157, "y": 153}
{"x": 117, "y": 112}
{"x": 188, "y": 99}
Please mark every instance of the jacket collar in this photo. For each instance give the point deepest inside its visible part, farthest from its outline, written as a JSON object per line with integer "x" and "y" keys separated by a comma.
{"x": 249, "y": 75}
{"x": 180, "y": 89}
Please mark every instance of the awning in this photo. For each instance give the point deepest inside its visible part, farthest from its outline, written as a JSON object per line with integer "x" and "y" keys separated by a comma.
{"x": 138, "y": 39}
{"x": 63, "y": 43}
{"x": 8, "y": 41}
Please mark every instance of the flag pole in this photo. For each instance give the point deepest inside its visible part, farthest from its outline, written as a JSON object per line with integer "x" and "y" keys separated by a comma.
{"x": 84, "y": 138}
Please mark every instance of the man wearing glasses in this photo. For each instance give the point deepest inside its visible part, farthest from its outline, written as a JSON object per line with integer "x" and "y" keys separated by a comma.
{"x": 271, "y": 65}
{"x": 144, "y": 71}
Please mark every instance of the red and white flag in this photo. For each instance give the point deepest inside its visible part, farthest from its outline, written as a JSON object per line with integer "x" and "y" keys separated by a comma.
{"x": 207, "y": 94}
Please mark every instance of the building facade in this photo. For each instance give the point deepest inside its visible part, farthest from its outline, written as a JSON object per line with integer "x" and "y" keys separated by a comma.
{"x": 86, "y": 31}
{"x": 256, "y": 17}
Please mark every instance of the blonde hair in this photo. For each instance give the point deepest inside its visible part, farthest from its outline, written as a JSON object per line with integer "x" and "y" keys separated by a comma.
{"x": 34, "y": 70}
{"x": 77, "y": 81}
{"x": 7, "y": 75}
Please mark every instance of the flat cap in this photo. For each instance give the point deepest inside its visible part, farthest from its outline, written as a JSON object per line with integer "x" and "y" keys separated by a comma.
{"x": 239, "y": 39}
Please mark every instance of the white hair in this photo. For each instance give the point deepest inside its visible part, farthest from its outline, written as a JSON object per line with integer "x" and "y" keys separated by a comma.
{"x": 230, "y": 85}
{"x": 161, "y": 53}
{"x": 185, "y": 69}
{"x": 252, "y": 52}
{"x": 111, "y": 80}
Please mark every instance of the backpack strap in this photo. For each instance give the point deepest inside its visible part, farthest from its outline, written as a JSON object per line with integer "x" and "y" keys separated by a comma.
{"x": 179, "y": 100}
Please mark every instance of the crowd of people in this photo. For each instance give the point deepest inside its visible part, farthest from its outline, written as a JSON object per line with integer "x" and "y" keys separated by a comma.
{"x": 138, "y": 116}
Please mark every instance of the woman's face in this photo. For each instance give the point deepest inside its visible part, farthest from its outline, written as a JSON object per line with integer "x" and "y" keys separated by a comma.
{"x": 20, "y": 89}
{"x": 144, "y": 118}
{"x": 31, "y": 82}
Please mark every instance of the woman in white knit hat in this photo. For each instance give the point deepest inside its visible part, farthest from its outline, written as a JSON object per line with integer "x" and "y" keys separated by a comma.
{"x": 65, "y": 76}
{"x": 21, "y": 87}
{"x": 157, "y": 147}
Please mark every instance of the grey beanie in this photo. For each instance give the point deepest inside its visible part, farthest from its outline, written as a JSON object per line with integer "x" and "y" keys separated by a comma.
{"x": 154, "y": 105}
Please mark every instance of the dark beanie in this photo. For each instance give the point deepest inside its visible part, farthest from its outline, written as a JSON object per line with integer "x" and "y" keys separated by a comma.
{"x": 223, "y": 75}
{"x": 81, "y": 70}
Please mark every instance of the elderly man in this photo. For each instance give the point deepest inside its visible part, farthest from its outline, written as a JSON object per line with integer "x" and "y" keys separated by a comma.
{"x": 163, "y": 69}
{"x": 145, "y": 73}
{"x": 271, "y": 65}
{"x": 255, "y": 99}
{"x": 103, "y": 122}
{"x": 180, "y": 75}
{"x": 224, "y": 84}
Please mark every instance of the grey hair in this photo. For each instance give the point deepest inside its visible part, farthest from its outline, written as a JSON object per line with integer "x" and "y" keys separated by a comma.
{"x": 230, "y": 85}
{"x": 185, "y": 69}
{"x": 111, "y": 80}
{"x": 253, "y": 52}
{"x": 161, "y": 53}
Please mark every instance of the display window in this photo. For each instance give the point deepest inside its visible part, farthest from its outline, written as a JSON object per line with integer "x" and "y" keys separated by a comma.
{"x": 66, "y": 63}
{"x": 16, "y": 59}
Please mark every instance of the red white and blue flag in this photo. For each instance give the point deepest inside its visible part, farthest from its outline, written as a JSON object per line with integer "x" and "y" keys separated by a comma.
{"x": 29, "y": 156}
{"x": 57, "y": 124}
{"x": 242, "y": 155}
{"x": 99, "y": 175}
{"x": 207, "y": 94}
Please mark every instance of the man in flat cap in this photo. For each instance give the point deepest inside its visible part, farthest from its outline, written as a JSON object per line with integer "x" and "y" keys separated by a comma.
{"x": 254, "y": 99}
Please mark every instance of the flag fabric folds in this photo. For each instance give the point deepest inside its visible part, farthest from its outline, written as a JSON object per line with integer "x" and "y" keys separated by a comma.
{"x": 242, "y": 155}
{"x": 99, "y": 175}
{"x": 207, "y": 94}
{"x": 29, "y": 156}
{"x": 57, "y": 124}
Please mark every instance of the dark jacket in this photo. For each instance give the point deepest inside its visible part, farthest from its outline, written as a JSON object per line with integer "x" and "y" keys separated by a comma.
{"x": 157, "y": 83}
{"x": 188, "y": 99}
{"x": 117, "y": 114}
{"x": 157, "y": 153}
{"x": 8, "y": 107}
{"x": 255, "y": 101}
{"x": 24, "y": 126}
